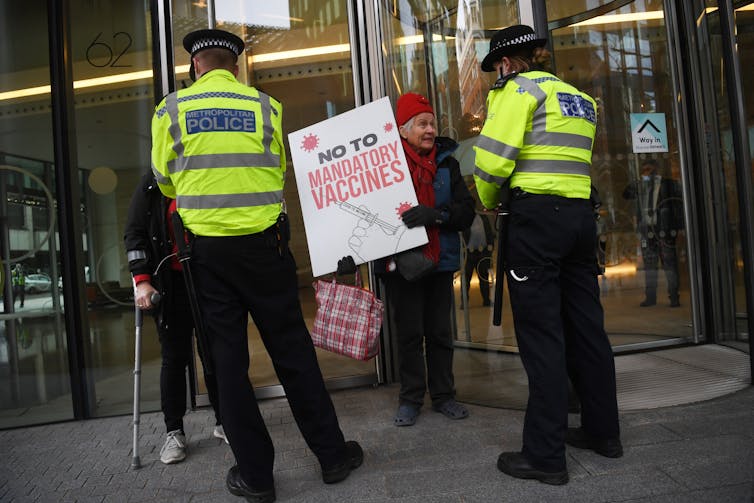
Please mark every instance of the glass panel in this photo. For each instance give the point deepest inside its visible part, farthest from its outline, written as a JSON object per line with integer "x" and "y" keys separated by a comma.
{"x": 744, "y": 21}
{"x": 625, "y": 67}
{"x": 112, "y": 118}
{"x": 623, "y": 64}
{"x": 745, "y": 42}
{"x": 438, "y": 54}
{"x": 564, "y": 9}
{"x": 34, "y": 380}
{"x": 298, "y": 52}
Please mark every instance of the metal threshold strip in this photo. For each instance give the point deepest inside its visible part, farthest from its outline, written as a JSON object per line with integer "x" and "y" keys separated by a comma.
{"x": 679, "y": 376}
{"x": 645, "y": 380}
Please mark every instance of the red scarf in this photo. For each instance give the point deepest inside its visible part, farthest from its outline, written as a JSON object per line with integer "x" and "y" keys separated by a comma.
{"x": 423, "y": 169}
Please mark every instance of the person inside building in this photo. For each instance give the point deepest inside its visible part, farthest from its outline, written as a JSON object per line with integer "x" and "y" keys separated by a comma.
{"x": 18, "y": 281}
{"x": 480, "y": 240}
{"x": 659, "y": 218}
{"x": 535, "y": 149}
{"x": 150, "y": 249}
{"x": 419, "y": 309}
{"x": 217, "y": 148}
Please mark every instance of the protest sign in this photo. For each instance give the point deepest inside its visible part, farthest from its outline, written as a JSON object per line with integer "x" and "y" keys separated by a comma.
{"x": 354, "y": 183}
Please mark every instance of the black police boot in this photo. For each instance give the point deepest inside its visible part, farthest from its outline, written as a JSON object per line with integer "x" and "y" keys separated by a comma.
{"x": 608, "y": 447}
{"x": 354, "y": 458}
{"x": 516, "y": 465}
{"x": 238, "y": 487}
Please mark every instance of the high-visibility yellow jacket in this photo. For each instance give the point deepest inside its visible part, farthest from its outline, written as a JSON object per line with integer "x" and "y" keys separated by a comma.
{"x": 217, "y": 149}
{"x": 544, "y": 128}
{"x": 17, "y": 278}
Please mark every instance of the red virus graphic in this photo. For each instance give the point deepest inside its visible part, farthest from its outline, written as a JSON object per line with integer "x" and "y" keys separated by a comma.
{"x": 310, "y": 142}
{"x": 402, "y": 207}
{"x": 388, "y": 127}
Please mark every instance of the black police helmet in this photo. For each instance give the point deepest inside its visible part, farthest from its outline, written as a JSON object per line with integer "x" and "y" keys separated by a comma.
{"x": 199, "y": 40}
{"x": 509, "y": 41}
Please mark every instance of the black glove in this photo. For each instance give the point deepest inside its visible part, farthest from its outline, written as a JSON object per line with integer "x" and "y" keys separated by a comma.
{"x": 346, "y": 265}
{"x": 421, "y": 215}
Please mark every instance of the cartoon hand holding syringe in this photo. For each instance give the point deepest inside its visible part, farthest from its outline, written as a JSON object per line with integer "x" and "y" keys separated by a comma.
{"x": 366, "y": 232}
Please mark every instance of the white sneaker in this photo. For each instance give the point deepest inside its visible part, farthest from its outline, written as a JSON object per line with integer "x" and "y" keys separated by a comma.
{"x": 220, "y": 433}
{"x": 174, "y": 450}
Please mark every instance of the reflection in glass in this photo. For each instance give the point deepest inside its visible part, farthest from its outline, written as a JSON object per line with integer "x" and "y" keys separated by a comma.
{"x": 589, "y": 9}
{"x": 436, "y": 52}
{"x": 35, "y": 385}
{"x": 625, "y": 67}
{"x": 744, "y": 20}
{"x": 112, "y": 120}
{"x": 34, "y": 377}
{"x": 622, "y": 61}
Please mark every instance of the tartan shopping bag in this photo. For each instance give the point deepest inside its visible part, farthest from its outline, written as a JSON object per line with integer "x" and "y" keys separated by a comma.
{"x": 348, "y": 319}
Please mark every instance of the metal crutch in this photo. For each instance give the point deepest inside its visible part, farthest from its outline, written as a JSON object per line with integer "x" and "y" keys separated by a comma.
{"x": 139, "y": 317}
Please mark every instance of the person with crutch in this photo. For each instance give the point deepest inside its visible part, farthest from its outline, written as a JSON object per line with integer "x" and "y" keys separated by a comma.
{"x": 150, "y": 247}
{"x": 217, "y": 148}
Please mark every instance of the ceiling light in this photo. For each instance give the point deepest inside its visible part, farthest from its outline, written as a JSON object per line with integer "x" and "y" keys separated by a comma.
{"x": 79, "y": 84}
{"x": 622, "y": 18}
{"x": 300, "y": 53}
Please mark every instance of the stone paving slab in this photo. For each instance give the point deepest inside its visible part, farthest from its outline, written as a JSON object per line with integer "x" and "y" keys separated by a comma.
{"x": 698, "y": 452}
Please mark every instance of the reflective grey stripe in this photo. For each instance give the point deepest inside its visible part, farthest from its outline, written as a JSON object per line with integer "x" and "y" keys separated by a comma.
{"x": 539, "y": 120}
{"x": 266, "y": 122}
{"x": 499, "y": 180}
{"x": 531, "y": 88}
{"x": 221, "y": 201}
{"x": 546, "y": 166}
{"x": 264, "y": 160}
{"x": 171, "y": 104}
{"x": 161, "y": 179}
{"x": 497, "y": 147}
{"x": 543, "y": 138}
{"x": 182, "y": 162}
{"x": 132, "y": 255}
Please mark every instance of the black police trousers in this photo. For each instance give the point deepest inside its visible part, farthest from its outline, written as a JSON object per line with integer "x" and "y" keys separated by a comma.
{"x": 242, "y": 275}
{"x": 559, "y": 322}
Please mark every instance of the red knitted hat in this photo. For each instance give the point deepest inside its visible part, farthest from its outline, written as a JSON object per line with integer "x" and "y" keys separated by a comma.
{"x": 409, "y": 105}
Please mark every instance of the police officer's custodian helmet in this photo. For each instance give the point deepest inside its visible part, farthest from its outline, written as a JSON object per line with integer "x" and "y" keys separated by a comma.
{"x": 509, "y": 41}
{"x": 199, "y": 40}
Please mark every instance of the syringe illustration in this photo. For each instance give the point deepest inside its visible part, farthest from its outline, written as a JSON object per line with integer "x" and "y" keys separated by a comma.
{"x": 370, "y": 218}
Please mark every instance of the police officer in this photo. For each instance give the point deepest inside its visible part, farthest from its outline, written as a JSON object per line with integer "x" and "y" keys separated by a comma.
{"x": 149, "y": 245}
{"x": 18, "y": 280}
{"x": 217, "y": 148}
{"x": 537, "y": 139}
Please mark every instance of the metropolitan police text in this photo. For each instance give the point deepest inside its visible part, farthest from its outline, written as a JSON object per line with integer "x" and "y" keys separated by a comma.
{"x": 220, "y": 119}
